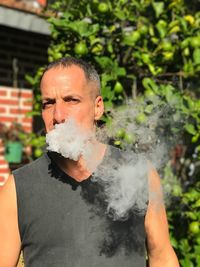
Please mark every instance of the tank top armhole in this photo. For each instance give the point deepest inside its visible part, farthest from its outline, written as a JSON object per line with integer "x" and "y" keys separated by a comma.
{"x": 17, "y": 189}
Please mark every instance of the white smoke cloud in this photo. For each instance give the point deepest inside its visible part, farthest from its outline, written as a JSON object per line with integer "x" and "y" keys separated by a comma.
{"x": 70, "y": 140}
{"x": 125, "y": 182}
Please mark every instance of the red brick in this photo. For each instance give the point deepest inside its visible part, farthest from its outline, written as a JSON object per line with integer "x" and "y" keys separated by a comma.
{"x": 2, "y": 110}
{"x": 7, "y": 119}
{"x": 26, "y": 103}
{"x": 27, "y": 129}
{"x": 27, "y": 94}
{"x": 19, "y": 111}
{"x": 4, "y": 170}
{"x": 2, "y": 179}
{"x": 3, "y": 162}
{"x": 3, "y": 93}
{"x": 42, "y": 2}
{"x": 29, "y": 120}
{"x": 14, "y": 94}
{"x": 8, "y": 102}
{"x": 22, "y": 94}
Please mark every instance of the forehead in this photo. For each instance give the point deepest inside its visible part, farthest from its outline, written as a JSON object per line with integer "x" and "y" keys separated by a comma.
{"x": 56, "y": 76}
{"x": 61, "y": 80}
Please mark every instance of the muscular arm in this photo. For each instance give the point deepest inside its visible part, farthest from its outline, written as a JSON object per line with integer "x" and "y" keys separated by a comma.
{"x": 160, "y": 251}
{"x": 9, "y": 234}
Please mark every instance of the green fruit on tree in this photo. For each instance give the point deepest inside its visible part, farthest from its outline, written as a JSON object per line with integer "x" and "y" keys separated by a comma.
{"x": 186, "y": 52}
{"x": 190, "y": 19}
{"x": 130, "y": 138}
{"x": 118, "y": 143}
{"x": 146, "y": 58}
{"x": 149, "y": 93}
{"x": 118, "y": 88}
{"x": 103, "y": 8}
{"x": 120, "y": 133}
{"x": 135, "y": 36}
{"x": 57, "y": 55}
{"x": 176, "y": 190}
{"x": 194, "y": 227}
{"x": 35, "y": 142}
{"x": 168, "y": 55}
{"x": 167, "y": 46}
{"x": 195, "y": 41}
{"x": 141, "y": 118}
{"x": 38, "y": 152}
{"x": 143, "y": 29}
{"x": 81, "y": 49}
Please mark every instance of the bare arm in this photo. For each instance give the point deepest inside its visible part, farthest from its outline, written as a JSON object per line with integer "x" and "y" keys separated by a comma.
{"x": 160, "y": 251}
{"x": 9, "y": 234}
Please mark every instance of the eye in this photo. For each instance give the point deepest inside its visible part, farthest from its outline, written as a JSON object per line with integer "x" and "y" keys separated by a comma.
{"x": 71, "y": 99}
{"x": 47, "y": 104}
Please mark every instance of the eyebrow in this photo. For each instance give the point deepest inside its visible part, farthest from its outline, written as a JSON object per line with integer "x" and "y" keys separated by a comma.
{"x": 47, "y": 99}
{"x": 63, "y": 97}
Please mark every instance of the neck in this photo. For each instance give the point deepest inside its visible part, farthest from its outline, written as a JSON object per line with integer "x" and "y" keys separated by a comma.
{"x": 79, "y": 170}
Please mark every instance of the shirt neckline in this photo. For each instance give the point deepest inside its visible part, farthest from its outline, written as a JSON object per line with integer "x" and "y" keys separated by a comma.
{"x": 64, "y": 175}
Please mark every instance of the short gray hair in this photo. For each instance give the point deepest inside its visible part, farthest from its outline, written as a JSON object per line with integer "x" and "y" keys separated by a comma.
{"x": 89, "y": 71}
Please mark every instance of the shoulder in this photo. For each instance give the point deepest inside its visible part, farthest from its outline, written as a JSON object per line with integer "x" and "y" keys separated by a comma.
{"x": 32, "y": 167}
{"x": 8, "y": 196}
{"x": 7, "y": 191}
{"x": 160, "y": 250}
{"x": 9, "y": 232}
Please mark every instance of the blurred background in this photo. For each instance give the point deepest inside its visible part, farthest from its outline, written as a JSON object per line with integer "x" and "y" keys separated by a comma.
{"x": 144, "y": 50}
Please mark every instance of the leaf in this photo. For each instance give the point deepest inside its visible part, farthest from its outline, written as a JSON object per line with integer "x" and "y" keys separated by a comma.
{"x": 104, "y": 62}
{"x": 120, "y": 14}
{"x": 195, "y": 138}
{"x": 149, "y": 83}
{"x": 34, "y": 113}
{"x": 161, "y": 26}
{"x": 105, "y": 78}
{"x": 158, "y": 8}
{"x": 191, "y": 215}
{"x": 186, "y": 262}
{"x": 196, "y": 56}
{"x": 174, "y": 242}
{"x": 190, "y": 128}
{"x": 120, "y": 71}
{"x": 82, "y": 27}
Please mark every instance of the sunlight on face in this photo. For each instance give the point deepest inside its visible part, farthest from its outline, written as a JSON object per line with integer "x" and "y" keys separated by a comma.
{"x": 67, "y": 94}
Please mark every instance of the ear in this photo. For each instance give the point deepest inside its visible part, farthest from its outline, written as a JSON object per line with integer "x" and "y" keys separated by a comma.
{"x": 99, "y": 108}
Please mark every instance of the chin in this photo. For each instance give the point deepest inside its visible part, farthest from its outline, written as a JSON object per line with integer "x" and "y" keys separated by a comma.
{"x": 49, "y": 129}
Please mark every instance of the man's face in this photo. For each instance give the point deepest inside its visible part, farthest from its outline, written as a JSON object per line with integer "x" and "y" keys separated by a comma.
{"x": 67, "y": 94}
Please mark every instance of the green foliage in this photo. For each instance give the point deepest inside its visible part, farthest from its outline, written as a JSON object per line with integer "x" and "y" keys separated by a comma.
{"x": 184, "y": 218}
{"x": 145, "y": 50}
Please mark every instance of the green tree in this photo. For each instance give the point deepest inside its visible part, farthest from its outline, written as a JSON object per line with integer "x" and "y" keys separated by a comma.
{"x": 143, "y": 49}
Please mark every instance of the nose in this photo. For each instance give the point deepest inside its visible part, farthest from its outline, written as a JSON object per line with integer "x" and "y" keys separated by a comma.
{"x": 59, "y": 115}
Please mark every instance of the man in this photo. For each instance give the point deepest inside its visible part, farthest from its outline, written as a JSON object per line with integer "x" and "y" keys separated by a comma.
{"x": 54, "y": 212}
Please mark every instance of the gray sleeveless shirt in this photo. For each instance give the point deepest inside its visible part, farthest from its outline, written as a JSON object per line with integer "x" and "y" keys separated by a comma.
{"x": 63, "y": 222}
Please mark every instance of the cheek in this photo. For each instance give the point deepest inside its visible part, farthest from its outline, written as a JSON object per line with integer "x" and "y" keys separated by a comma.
{"x": 85, "y": 115}
{"x": 47, "y": 118}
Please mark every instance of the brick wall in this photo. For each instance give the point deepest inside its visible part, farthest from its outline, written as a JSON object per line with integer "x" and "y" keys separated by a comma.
{"x": 14, "y": 105}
